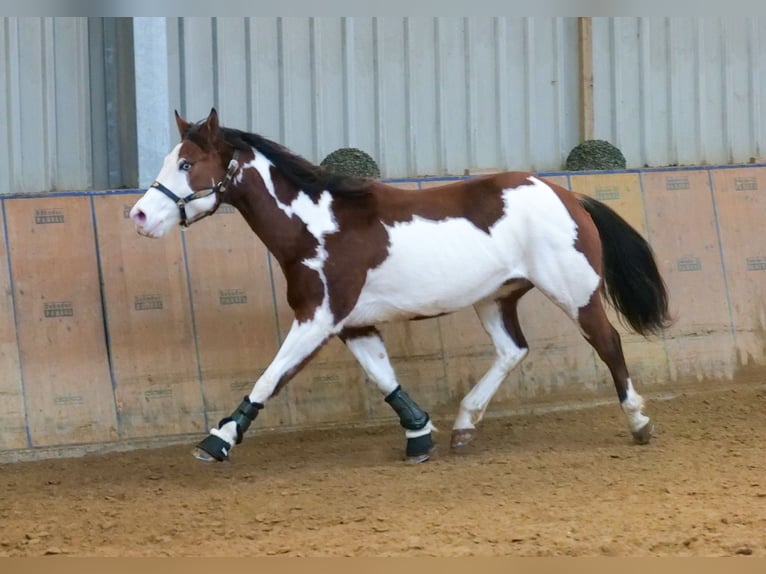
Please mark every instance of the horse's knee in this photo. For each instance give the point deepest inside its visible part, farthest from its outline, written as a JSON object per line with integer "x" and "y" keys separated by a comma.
{"x": 510, "y": 357}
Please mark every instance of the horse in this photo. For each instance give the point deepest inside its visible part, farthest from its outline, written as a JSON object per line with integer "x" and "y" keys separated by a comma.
{"x": 357, "y": 253}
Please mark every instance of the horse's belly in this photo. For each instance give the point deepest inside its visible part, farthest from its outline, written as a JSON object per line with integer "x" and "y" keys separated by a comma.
{"x": 432, "y": 268}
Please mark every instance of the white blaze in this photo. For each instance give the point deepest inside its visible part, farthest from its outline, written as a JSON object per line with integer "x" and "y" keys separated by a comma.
{"x": 161, "y": 214}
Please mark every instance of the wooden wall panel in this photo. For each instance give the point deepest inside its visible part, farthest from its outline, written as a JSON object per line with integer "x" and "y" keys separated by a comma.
{"x": 740, "y": 196}
{"x": 682, "y": 229}
{"x": 60, "y": 322}
{"x": 13, "y": 418}
{"x": 647, "y": 359}
{"x": 234, "y": 312}
{"x": 149, "y": 316}
{"x": 187, "y": 323}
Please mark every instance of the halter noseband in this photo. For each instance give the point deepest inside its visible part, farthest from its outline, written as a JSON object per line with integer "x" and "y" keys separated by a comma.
{"x": 217, "y": 189}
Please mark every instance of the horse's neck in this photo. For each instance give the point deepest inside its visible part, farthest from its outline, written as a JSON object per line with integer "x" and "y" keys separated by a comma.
{"x": 284, "y": 234}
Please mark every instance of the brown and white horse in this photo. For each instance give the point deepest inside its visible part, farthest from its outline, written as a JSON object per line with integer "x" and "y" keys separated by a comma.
{"x": 357, "y": 253}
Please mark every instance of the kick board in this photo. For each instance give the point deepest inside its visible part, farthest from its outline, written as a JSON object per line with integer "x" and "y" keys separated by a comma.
{"x": 741, "y": 208}
{"x": 149, "y": 318}
{"x": 682, "y": 227}
{"x": 13, "y": 421}
{"x": 62, "y": 344}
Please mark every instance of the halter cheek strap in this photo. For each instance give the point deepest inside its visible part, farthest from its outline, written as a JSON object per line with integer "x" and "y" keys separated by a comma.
{"x": 217, "y": 189}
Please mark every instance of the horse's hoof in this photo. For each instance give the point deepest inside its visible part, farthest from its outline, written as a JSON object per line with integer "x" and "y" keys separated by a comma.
{"x": 418, "y": 459}
{"x": 461, "y": 438}
{"x": 212, "y": 449}
{"x": 419, "y": 449}
{"x": 200, "y": 454}
{"x": 644, "y": 434}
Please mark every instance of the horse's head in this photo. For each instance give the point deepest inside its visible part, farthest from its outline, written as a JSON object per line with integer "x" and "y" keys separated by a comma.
{"x": 190, "y": 182}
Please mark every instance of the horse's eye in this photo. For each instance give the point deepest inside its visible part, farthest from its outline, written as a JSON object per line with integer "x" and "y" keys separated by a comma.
{"x": 185, "y": 166}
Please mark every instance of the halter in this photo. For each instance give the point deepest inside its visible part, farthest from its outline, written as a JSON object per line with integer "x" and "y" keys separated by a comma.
{"x": 217, "y": 189}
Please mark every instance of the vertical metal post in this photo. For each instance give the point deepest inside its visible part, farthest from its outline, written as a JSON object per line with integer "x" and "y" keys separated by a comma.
{"x": 586, "y": 78}
{"x": 153, "y": 117}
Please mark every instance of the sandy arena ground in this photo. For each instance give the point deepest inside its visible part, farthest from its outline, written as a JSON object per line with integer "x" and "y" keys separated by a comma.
{"x": 554, "y": 484}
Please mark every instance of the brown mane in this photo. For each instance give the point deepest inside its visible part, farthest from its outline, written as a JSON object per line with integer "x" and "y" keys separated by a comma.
{"x": 310, "y": 178}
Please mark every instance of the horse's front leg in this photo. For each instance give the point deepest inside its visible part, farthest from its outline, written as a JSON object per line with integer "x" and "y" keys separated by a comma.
{"x": 302, "y": 342}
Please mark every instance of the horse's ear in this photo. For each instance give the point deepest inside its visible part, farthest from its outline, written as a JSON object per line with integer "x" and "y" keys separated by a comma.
{"x": 211, "y": 123}
{"x": 183, "y": 125}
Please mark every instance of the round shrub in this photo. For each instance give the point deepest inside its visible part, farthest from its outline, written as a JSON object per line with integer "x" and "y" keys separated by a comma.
{"x": 352, "y": 162}
{"x": 595, "y": 154}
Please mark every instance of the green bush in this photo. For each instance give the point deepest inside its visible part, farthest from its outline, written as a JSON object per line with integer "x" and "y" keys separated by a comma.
{"x": 595, "y": 154}
{"x": 352, "y": 162}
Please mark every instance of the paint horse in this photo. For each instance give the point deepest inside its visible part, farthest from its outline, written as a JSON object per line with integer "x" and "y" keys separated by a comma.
{"x": 357, "y": 253}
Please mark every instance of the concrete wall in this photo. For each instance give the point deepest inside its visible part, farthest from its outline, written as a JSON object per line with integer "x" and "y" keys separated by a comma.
{"x": 108, "y": 338}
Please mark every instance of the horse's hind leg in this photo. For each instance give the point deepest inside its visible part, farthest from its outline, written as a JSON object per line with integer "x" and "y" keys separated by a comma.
{"x": 367, "y": 346}
{"x": 606, "y": 341}
{"x": 500, "y": 319}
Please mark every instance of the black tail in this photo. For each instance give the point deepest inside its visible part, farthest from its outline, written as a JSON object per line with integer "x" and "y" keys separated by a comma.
{"x": 632, "y": 282}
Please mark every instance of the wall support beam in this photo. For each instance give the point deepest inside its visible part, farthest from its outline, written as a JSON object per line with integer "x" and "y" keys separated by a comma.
{"x": 586, "y": 77}
{"x": 150, "y": 47}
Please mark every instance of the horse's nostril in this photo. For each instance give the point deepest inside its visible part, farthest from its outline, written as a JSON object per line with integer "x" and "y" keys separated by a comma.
{"x": 139, "y": 216}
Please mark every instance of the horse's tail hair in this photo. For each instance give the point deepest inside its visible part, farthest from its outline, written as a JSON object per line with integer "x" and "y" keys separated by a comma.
{"x": 632, "y": 281}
